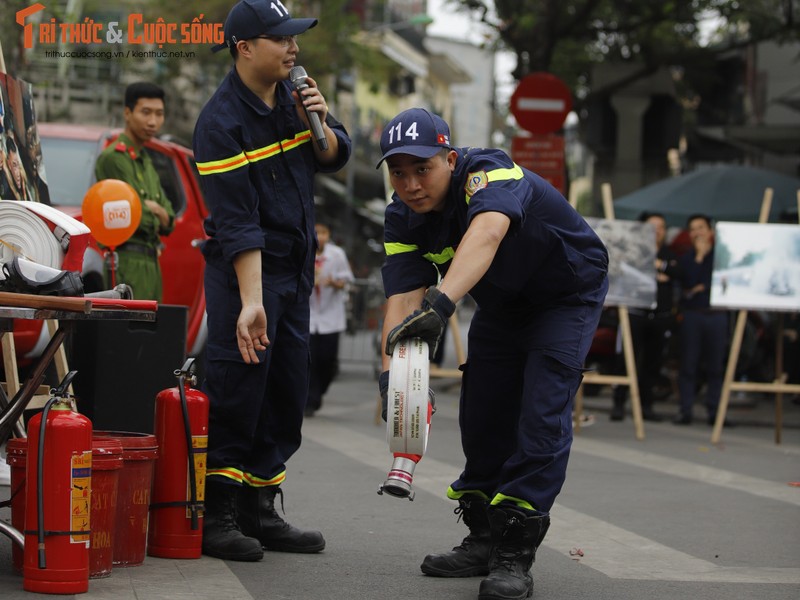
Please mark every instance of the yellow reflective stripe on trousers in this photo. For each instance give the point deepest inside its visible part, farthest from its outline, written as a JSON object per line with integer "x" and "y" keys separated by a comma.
{"x": 498, "y": 498}
{"x": 398, "y": 248}
{"x": 514, "y": 173}
{"x": 254, "y": 481}
{"x": 214, "y": 167}
{"x": 458, "y": 494}
{"x": 229, "y": 472}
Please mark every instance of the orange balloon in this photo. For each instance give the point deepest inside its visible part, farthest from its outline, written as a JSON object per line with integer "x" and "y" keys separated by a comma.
{"x": 112, "y": 211}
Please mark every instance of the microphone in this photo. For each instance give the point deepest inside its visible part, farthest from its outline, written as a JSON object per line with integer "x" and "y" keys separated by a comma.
{"x": 298, "y": 75}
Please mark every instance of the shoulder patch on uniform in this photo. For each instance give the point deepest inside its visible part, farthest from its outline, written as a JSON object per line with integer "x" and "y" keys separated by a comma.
{"x": 476, "y": 181}
{"x": 120, "y": 147}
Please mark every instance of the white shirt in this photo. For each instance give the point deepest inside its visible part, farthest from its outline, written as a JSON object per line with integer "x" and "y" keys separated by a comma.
{"x": 327, "y": 302}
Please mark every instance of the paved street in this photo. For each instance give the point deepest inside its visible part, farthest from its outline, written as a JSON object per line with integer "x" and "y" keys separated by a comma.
{"x": 665, "y": 518}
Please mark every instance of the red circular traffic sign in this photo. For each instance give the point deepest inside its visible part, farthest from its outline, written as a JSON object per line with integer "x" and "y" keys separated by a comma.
{"x": 541, "y": 102}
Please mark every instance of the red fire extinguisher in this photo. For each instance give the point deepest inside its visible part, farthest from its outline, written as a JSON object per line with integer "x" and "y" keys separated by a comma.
{"x": 58, "y": 497}
{"x": 181, "y": 428}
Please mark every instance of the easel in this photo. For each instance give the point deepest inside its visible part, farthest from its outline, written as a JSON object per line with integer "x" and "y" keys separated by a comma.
{"x": 779, "y": 385}
{"x": 629, "y": 378}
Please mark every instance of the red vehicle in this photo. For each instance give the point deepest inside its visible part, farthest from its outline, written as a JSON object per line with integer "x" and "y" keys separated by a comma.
{"x": 69, "y": 153}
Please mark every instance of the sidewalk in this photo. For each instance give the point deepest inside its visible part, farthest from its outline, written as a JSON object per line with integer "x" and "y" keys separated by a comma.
{"x": 668, "y": 517}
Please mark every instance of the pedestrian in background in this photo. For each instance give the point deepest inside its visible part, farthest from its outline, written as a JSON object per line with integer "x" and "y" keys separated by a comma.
{"x": 257, "y": 159}
{"x": 127, "y": 159}
{"x": 332, "y": 275}
{"x": 704, "y": 332}
{"x": 649, "y": 327}
{"x": 470, "y": 221}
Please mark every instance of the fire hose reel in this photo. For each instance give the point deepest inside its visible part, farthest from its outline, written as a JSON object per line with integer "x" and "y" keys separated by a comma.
{"x": 408, "y": 417}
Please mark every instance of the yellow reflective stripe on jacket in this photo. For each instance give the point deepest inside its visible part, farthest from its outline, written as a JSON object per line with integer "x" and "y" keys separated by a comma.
{"x": 243, "y": 158}
{"x": 502, "y": 174}
{"x": 300, "y": 138}
{"x": 442, "y": 257}
{"x": 398, "y": 248}
{"x": 514, "y": 172}
{"x": 221, "y": 166}
{"x": 277, "y": 147}
{"x": 498, "y": 498}
{"x": 262, "y": 153}
{"x": 229, "y": 472}
{"x": 254, "y": 481}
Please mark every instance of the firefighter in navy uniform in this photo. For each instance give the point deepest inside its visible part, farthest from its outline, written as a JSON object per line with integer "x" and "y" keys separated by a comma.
{"x": 127, "y": 160}
{"x": 257, "y": 160}
{"x": 467, "y": 220}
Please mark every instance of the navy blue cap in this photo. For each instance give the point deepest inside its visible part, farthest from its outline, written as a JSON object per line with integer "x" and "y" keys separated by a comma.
{"x": 417, "y": 132}
{"x": 251, "y": 18}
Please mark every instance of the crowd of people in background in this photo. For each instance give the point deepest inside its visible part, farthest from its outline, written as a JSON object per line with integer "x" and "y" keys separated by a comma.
{"x": 681, "y": 346}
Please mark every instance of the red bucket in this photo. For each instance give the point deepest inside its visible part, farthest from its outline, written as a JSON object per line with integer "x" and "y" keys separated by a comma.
{"x": 106, "y": 465}
{"x": 139, "y": 453}
{"x": 16, "y": 457}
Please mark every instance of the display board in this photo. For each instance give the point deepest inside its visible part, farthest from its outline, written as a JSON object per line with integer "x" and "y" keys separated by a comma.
{"x": 628, "y": 378}
{"x": 756, "y": 267}
{"x": 631, "y": 262}
{"x": 22, "y": 173}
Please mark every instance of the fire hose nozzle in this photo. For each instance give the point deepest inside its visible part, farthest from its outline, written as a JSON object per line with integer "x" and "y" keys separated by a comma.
{"x": 398, "y": 482}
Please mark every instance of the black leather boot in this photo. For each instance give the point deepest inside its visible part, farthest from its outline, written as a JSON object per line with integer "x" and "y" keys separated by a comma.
{"x": 222, "y": 537}
{"x": 471, "y": 557}
{"x": 259, "y": 519}
{"x": 515, "y": 537}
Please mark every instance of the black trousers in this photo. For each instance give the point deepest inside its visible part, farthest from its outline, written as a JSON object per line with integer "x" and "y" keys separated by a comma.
{"x": 324, "y": 366}
{"x": 648, "y": 333}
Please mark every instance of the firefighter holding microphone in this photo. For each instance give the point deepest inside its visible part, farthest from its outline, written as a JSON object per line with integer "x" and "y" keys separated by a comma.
{"x": 470, "y": 221}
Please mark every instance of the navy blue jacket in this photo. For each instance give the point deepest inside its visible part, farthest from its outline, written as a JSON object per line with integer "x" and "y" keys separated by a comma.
{"x": 550, "y": 255}
{"x": 692, "y": 274}
{"x": 257, "y": 171}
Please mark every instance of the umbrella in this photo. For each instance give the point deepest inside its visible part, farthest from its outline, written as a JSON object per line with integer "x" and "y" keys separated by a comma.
{"x": 723, "y": 192}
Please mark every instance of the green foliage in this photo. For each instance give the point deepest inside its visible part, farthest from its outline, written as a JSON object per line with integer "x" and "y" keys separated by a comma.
{"x": 11, "y": 36}
{"x": 327, "y": 49}
{"x": 567, "y": 37}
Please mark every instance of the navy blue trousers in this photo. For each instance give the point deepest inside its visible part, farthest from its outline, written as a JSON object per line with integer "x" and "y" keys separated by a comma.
{"x": 257, "y": 409}
{"x": 704, "y": 339}
{"x": 518, "y": 388}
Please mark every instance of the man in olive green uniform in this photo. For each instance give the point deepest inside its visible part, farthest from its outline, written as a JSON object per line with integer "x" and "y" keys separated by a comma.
{"x": 127, "y": 160}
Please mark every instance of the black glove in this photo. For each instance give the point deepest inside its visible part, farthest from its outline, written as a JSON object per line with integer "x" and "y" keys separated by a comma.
{"x": 427, "y": 323}
{"x": 383, "y": 386}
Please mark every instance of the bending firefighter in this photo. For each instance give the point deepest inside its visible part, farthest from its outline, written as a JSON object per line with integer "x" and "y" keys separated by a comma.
{"x": 468, "y": 220}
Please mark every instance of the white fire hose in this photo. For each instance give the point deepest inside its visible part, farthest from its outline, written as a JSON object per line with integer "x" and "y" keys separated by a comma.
{"x": 408, "y": 415}
{"x": 42, "y": 234}
{"x": 24, "y": 233}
